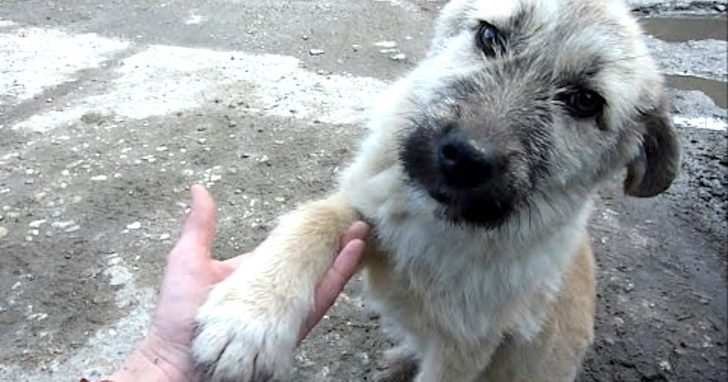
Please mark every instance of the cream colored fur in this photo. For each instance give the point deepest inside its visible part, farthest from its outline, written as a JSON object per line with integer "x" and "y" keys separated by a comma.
{"x": 515, "y": 303}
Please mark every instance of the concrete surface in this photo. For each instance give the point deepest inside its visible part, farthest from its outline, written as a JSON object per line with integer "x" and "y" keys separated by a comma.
{"x": 110, "y": 109}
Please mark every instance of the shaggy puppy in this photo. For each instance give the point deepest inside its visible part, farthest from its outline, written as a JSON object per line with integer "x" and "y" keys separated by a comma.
{"x": 477, "y": 177}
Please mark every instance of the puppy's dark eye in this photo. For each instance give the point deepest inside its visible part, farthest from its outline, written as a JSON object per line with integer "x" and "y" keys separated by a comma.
{"x": 584, "y": 103}
{"x": 490, "y": 40}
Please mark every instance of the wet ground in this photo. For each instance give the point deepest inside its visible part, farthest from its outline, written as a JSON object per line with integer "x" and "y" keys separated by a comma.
{"x": 109, "y": 110}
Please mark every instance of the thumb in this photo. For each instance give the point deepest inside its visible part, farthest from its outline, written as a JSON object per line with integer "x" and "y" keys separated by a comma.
{"x": 334, "y": 281}
{"x": 199, "y": 226}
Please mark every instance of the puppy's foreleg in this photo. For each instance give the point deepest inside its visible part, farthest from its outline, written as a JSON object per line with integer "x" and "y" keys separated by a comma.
{"x": 447, "y": 362}
{"x": 249, "y": 326}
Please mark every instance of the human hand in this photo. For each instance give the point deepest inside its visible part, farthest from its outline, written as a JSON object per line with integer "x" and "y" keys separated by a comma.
{"x": 190, "y": 274}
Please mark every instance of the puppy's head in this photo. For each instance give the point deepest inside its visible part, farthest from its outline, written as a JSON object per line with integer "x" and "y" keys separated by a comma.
{"x": 524, "y": 101}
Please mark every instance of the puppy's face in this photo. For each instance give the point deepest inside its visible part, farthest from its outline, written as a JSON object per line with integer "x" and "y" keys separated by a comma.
{"x": 521, "y": 102}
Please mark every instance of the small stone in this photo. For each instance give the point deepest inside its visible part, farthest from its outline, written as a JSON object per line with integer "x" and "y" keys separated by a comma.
{"x": 280, "y": 199}
{"x": 99, "y": 178}
{"x": 264, "y": 160}
{"x": 665, "y": 366}
{"x": 356, "y": 47}
{"x": 92, "y": 118}
{"x": 135, "y": 225}
{"x": 386, "y": 44}
{"x": 36, "y": 223}
{"x": 3, "y": 232}
{"x": 304, "y": 37}
{"x": 398, "y": 57}
{"x": 618, "y": 322}
{"x": 73, "y": 229}
{"x": 164, "y": 236}
{"x": 629, "y": 287}
{"x": 62, "y": 225}
{"x": 316, "y": 52}
{"x": 363, "y": 358}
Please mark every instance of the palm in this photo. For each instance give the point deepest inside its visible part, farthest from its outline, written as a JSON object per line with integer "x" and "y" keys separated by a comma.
{"x": 191, "y": 273}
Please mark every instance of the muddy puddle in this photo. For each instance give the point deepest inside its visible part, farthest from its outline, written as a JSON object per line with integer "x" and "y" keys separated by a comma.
{"x": 684, "y": 28}
{"x": 717, "y": 90}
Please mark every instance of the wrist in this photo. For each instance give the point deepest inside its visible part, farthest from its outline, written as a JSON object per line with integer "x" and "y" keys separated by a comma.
{"x": 152, "y": 361}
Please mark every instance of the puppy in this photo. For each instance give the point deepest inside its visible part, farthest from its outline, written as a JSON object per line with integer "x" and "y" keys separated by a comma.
{"x": 477, "y": 177}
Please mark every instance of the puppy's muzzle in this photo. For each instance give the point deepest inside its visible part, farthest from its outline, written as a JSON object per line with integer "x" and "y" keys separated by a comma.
{"x": 469, "y": 179}
{"x": 465, "y": 164}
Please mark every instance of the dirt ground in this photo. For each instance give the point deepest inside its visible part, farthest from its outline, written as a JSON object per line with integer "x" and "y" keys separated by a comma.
{"x": 95, "y": 165}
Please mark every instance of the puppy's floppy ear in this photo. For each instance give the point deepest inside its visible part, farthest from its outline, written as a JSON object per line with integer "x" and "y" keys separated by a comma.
{"x": 658, "y": 161}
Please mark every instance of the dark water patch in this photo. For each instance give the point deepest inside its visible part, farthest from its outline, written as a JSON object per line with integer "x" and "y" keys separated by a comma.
{"x": 684, "y": 28}
{"x": 717, "y": 90}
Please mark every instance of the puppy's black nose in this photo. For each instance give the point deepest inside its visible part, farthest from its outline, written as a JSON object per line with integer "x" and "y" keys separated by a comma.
{"x": 465, "y": 165}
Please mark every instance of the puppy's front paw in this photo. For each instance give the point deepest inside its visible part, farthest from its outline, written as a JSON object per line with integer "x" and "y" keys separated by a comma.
{"x": 242, "y": 336}
{"x": 399, "y": 365}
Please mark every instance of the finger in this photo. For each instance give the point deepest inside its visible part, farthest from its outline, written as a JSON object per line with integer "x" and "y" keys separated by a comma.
{"x": 342, "y": 269}
{"x": 234, "y": 262}
{"x": 333, "y": 282}
{"x": 358, "y": 230}
{"x": 224, "y": 268}
{"x": 199, "y": 226}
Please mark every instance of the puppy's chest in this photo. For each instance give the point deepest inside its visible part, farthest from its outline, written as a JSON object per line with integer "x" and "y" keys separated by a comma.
{"x": 462, "y": 280}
